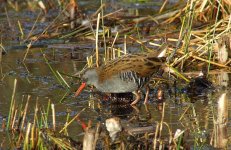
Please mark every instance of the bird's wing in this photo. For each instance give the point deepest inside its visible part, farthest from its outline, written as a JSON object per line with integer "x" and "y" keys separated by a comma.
{"x": 143, "y": 65}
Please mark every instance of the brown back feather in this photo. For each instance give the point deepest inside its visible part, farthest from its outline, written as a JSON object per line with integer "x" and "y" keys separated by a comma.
{"x": 143, "y": 64}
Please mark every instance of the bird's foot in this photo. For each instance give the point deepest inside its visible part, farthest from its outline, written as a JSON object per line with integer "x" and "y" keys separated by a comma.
{"x": 146, "y": 95}
{"x": 137, "y": 94}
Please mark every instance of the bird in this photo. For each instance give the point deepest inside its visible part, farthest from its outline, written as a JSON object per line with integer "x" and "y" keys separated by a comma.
{"x": 128, "y": 73}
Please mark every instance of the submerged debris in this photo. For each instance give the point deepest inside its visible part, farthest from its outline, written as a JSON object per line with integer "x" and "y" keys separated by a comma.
{"x": 113, "y": 126}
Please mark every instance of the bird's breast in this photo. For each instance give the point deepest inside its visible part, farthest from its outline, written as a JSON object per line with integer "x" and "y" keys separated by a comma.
{"x": 117, "y": 85}
{"x": 122, "y": 82}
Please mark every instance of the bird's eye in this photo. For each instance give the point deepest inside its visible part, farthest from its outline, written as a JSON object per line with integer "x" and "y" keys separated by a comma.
{"x": 84, "y": 79}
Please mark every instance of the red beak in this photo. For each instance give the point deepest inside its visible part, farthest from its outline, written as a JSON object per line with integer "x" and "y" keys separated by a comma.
{"x": 82, "y": 86}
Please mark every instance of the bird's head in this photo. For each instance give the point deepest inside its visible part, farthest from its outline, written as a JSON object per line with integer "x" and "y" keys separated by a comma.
{"x": 89, "y": 77}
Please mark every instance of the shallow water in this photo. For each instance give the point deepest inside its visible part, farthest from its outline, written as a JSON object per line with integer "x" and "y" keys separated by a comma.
{"x": 36, "y": 79}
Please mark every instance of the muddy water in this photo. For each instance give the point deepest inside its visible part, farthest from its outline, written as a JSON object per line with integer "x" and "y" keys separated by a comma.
{"x": 34, "y": 78}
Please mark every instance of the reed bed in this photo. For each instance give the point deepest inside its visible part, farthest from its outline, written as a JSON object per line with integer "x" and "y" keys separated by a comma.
{"x": 191, "y": 34}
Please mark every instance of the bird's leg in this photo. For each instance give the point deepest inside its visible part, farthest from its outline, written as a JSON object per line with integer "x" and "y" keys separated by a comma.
{"x": 147, "y": 94}
{"x": 137, "y": 94}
